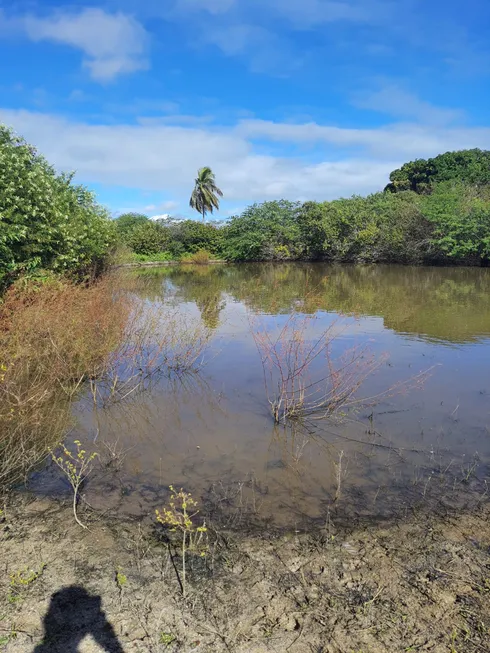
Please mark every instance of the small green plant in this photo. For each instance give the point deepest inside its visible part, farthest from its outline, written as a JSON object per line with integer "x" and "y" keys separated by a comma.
{"x": 178, "y": 517}
{"x": 121, "y": 579}
{"x": 21, "y": 579}
{"x": 10, "y": 637}
{"x": 167, "y": 638}
{"x": 76, "y": 467}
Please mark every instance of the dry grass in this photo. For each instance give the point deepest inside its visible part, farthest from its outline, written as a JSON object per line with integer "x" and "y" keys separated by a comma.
{"x": 201, "y": 257}
{"x": 58, "y": 338}
{"x": 304, "y": 381}
{"x": 53, "y": 336}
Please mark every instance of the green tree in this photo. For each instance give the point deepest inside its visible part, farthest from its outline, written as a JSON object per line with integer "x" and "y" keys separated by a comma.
{"x": 469, "y": 166}
{"x": 46, "y": 221}
{"x": 148, "y": 238}
{"x": 460, "y": 215}
{"x": 265, "y": 232}
{"x": 127, "y": 222}
{"x": 204, "y": 198}
{"x": 189, "y": 236}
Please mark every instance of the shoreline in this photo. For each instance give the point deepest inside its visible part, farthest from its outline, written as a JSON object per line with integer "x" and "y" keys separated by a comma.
{"x": 421, "y": 584}
{"x": 148, "y": 264}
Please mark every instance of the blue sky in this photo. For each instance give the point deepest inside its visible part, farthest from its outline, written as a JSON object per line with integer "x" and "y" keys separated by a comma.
{"x": 297, "y": 99}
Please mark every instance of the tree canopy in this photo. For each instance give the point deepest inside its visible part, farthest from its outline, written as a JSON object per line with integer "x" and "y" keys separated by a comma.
{"x": 469, "y": 166}
{"x": 46, "y": 221}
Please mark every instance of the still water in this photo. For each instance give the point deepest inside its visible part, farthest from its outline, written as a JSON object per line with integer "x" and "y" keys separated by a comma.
{"x": 212, "y": 432}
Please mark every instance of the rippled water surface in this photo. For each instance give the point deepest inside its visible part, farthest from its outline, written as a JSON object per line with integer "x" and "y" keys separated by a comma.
{"x": 212, "y": 432}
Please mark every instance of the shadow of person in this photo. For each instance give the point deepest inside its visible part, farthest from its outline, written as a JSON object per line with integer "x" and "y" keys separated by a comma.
{"x": 73, "y": 614}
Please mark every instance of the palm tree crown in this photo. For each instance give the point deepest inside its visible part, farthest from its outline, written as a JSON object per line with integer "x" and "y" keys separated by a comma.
{"x": 205, "y": 195}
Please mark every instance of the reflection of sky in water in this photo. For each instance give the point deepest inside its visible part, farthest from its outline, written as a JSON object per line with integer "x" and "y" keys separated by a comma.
{"x": 216, "y": 428}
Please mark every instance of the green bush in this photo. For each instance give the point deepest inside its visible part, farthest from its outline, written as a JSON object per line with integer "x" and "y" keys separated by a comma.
{"x": 469, "y": 166}
{"x": 148, "y": 238}
{"x": 378, "y": 228}
{"x": 127, "y": 222}
{"x": 265, "y": 232}
{"x": 190, "y": 236}
{"x": 460, "y": 216}
{"x": 46, "y": 221}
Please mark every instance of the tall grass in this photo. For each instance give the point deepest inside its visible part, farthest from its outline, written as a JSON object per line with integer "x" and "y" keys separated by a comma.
{"x": 53, "y": 337}
{"x": 201, "y": 257}
{"x": 59, "y": 339}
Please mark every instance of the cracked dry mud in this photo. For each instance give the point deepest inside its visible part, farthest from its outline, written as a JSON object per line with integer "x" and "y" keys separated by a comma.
{"x": 414, "y": 585}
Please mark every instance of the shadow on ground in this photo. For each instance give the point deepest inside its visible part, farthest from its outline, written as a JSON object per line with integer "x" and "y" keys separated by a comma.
{"x": 72, "y": 615}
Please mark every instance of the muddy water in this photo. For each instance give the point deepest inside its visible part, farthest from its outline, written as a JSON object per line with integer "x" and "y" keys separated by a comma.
{"x": 212, "y": 433}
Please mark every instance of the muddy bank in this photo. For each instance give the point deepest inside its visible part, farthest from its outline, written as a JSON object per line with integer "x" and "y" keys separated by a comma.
{"x": 417, "y": 585}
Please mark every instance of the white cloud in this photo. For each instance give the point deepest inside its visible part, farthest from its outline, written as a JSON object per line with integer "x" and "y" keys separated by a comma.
{"x": 395, "y": 101}
{"x": 112, "y": 44}
{"x": 164, "y": 158}
{"x": 396, "y": 141}
{"x": 213, "y": 6}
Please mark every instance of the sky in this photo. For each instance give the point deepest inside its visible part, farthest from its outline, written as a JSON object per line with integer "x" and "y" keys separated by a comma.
{"x": 294, "y": 99}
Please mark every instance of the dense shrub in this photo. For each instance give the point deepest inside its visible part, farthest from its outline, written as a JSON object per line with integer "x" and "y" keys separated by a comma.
{"x": 127, "y": 222}
{"x": 380, "y": 227}
{"x": 46, "y": 221}
{"x": 449, "y": 225}
{"x": 147, "y": 238}
{"x": 469, "y": 166}
{"x": 190, "y": 236}
{"x": 460, "y": 216}
{"x": 268, "y": 231}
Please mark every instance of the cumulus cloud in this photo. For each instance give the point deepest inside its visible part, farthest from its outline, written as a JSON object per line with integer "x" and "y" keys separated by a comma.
{"x": 112, "y": 44}
{"x": 164, "y": 157}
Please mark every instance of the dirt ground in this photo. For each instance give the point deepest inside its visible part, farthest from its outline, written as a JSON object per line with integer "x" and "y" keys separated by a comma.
{"x": 421, "y": 584}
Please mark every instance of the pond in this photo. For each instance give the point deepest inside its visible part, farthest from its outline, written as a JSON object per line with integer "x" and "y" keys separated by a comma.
{"x": 212, "y": 432}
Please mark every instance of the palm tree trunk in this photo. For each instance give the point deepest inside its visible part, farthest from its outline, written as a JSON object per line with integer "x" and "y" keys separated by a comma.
{"x": 204, "y": 215}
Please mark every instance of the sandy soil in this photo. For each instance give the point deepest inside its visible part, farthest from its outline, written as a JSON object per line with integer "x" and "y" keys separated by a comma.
{"x": 416, "y": 585}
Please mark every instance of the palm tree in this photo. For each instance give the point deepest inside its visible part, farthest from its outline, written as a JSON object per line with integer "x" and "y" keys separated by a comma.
{"x": 204, "y": 197}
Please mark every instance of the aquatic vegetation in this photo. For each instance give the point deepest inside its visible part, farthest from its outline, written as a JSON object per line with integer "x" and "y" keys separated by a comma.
{"x": 305, "y": 381}
{"x": 54, "y": 337}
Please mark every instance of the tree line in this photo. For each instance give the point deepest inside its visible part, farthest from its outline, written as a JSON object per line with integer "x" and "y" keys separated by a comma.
{"x": 434, "y": 211}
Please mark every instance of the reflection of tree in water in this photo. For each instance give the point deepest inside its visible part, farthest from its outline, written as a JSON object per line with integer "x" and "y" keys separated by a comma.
{"x": 451, "y": 304}
{"x": 203, "y": 285}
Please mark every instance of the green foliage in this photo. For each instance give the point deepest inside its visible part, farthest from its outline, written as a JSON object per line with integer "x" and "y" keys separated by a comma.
{"x": 268, "y": 231}
{"x": 469, "y": 166}
{"x": 378, "y": 228}
{"x": 127, "y": 222}
{"x": 148, "y": 238}
{"x": 46, "y": 221}
{"x": 204, "y": 198}
{"x": 461, "y": 218}
{"x": 162, "y": 257}
{"x": 190, "y": 236}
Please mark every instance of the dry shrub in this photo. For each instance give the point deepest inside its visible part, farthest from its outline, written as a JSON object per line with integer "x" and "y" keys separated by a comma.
{"x": 201, "y": 257}
{"x": 157, "y": 340}
{"x": 304, "y": 381}
{"x": 53, "y": 336}
{"x": 58, "y": 338}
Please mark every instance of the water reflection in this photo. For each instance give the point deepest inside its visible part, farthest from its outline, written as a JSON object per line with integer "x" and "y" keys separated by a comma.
{"x": 213, "y": 434}
{"x": 449, "y": 304}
